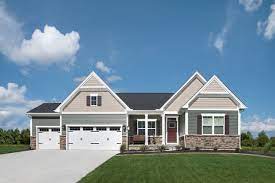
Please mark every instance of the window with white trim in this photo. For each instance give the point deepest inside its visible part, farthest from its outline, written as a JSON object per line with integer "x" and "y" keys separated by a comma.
{"x": 94, "y": 98}
{"x": 140, "y": 127}
{"x": 213, "y": 124}
{"x": 152, "y": 128}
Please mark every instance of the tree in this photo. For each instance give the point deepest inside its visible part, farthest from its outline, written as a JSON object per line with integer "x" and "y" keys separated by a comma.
{"x": 262, "y": 139}
{"x": 247, "y": 139}
{"x": 25, "y": 136}
{"x": 272, "y": 139}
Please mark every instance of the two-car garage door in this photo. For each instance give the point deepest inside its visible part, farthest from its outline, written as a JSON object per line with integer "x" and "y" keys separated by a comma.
{"x": 94, "y": 138}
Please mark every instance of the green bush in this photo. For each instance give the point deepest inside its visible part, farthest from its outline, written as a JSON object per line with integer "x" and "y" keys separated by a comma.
{"x": 267, "y": 147}
{"x": 179, "y": 148}
{"x": 247, "y": 139}
{"x": 122, "y": 148}
{"x": 143, "y": 148}
{"x": 162, "y": 148}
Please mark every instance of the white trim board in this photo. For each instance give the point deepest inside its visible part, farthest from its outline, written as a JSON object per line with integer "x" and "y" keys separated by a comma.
{"x": 241, "y": 105}
{"x": 196, "y": 74}
{"x": 92, "y": 74}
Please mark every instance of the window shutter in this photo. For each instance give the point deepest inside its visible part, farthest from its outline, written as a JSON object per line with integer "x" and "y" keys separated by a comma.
{"x": 99, "y": 100}
{"x": 158, "y": 126}
{"x": 226, "y": 125}
{"x": 199, "y": 121}
{"x": 88, "y": 100}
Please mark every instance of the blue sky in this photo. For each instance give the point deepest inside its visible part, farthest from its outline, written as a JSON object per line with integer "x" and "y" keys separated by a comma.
{"x": 141, "y": 46}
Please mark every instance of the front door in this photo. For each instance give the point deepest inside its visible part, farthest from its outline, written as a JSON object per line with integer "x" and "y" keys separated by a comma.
{"x": 171, "y": 130}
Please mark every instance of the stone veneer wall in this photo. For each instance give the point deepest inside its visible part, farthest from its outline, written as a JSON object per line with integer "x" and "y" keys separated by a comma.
{"x": 213, "y": 141}
{"x": 63, "y": 142}
{"x": 155, "y": 140}
{"x": 33, "y": 142}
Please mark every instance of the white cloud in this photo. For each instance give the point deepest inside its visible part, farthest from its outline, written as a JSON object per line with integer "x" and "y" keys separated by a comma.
{"x": 257, "y": 124}
{"x": 79, "y": 79}
{"x": 267, "y": 27}
{"x": 45, "y": 47}
{"x": 219, "y": 40}
{"x": 102, "y": 67}
{"x": 113, "y": 78}
{"x": 251, "y": 5}
{"x": 14, "y": 105}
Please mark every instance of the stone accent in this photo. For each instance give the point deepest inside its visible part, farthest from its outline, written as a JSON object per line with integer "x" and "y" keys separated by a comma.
{"x": 62, "y": 142}
{"x": 33, "y": 142}
{"x": 155, "y": 140}
{"x": 213, "y": 141}
{"x": 137, "y": 147}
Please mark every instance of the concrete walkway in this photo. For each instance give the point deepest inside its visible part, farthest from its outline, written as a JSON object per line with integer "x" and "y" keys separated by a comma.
{"x": 50, "y": 165}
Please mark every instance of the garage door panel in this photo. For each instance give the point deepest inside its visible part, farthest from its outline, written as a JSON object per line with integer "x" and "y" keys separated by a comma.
{"x": 48, "y": 138}
{"x": 100, "y": 138}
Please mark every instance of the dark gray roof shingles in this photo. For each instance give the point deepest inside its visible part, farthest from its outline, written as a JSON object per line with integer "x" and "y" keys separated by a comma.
{"x": 145, "y": 101}
{"x": 45, "y": 108}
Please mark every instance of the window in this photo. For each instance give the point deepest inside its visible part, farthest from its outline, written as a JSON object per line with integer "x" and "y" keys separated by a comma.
{"x": 55, "y": 129}
{"x": 213, "y": 124}
{"x": 94, "y": 99}
{"x": 114, "y": 128}
{"x": 152, "y": 128}
{"x": 141, "y": 127}
{"x": 87, "y": 128}
{"x": 75, "y": 128}
{"x": 43, "y": 129}
{"x": 101, "y": 128}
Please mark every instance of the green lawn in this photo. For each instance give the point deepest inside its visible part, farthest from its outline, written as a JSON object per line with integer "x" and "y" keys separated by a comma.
{"x": 184, "y": 168}
{"x": 9, "y": 148}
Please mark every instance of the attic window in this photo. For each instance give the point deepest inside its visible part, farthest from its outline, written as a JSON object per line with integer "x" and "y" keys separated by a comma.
{"x": 94, "y": 99}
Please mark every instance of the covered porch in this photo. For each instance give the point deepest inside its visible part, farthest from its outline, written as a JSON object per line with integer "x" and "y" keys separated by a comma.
{"x": 153, "y": 129}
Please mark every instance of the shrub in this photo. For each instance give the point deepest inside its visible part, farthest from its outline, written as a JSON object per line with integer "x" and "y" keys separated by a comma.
{"x": 237, "y": 150}
{"x": 267, "y": 147}
{"x": 143, "y": 148}
{"x": 161, "y": 148}
{"x": 197, "y": 149}
{"x": 215, "y": 149}
{"x": 179, "y": 148}
{"x": 122, "y": 148}
{"x": 262, "y": 139}
{"x": 246, "y": 139}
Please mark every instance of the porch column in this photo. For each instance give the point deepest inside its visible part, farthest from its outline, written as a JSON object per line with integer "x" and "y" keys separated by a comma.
{"x": 127, "y": 131}
{"x": 163, "y": 128}
{"x": 146, "y": 129}
{"x": 186, "y": 122}
{"x": 239, "y": 122}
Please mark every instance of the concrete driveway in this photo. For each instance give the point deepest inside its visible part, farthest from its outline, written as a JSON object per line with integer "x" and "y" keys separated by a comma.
{"x": 50, "y": 165}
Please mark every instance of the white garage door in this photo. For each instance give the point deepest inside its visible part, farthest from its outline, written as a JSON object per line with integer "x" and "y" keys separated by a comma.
{"x": 95, "y": 138}
{"x": 48, "y": 138}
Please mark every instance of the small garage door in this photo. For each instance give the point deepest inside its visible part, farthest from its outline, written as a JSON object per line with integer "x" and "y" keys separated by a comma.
{"x": 48, "y": 138}
{"x": 95, "y": 138}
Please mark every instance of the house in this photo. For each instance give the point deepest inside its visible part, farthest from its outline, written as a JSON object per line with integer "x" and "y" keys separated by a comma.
{"x": 204, "y": 114}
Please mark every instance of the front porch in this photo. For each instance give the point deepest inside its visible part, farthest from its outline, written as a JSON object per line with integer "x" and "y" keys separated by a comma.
{"x": 153, "y": 130}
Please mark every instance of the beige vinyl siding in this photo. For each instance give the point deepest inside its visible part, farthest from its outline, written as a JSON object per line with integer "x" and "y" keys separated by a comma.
{"x": 225, "y": 103}
{"x": 93, "y": 82}
{"x": 108, "y": 104}
{"x": 214, "y": 86}
{"x": 185, "y": 95}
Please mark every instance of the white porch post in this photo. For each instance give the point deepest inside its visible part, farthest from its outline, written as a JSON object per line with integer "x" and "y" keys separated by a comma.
{"x": 127, "y": 132}
{"x": 60, "y": 124}
{"x": 31, "y": 126}
{"x": 163, "y": 128}
{"x": 239, "y": 122}
{"x": 146, "y": 129}
{"x": 186, "y": 122}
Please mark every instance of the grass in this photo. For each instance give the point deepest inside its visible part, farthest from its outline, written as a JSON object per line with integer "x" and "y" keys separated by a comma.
{"x": 254, "y": 148}
{"x": 10, "y": 148}
{"x": 189, "y": 168}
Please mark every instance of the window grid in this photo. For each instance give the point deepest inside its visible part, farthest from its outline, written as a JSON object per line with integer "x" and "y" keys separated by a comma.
{"x": 213, "y": 124}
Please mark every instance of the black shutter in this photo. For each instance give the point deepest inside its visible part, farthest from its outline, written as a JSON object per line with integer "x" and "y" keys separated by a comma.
{"x": 226, "y": 125}
{"x": 99, "y": 100}
{"x": 88, "y": 101}
{"x": 199, "y": 121}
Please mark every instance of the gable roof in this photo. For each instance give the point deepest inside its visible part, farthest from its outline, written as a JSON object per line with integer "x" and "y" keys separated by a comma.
{"x": 82, "y": 85}
{"x": 226, "y": 91}
{"x": 195, "y": 75}
{"x": 145, "y": 101}
{"x": 45, "y": 108}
